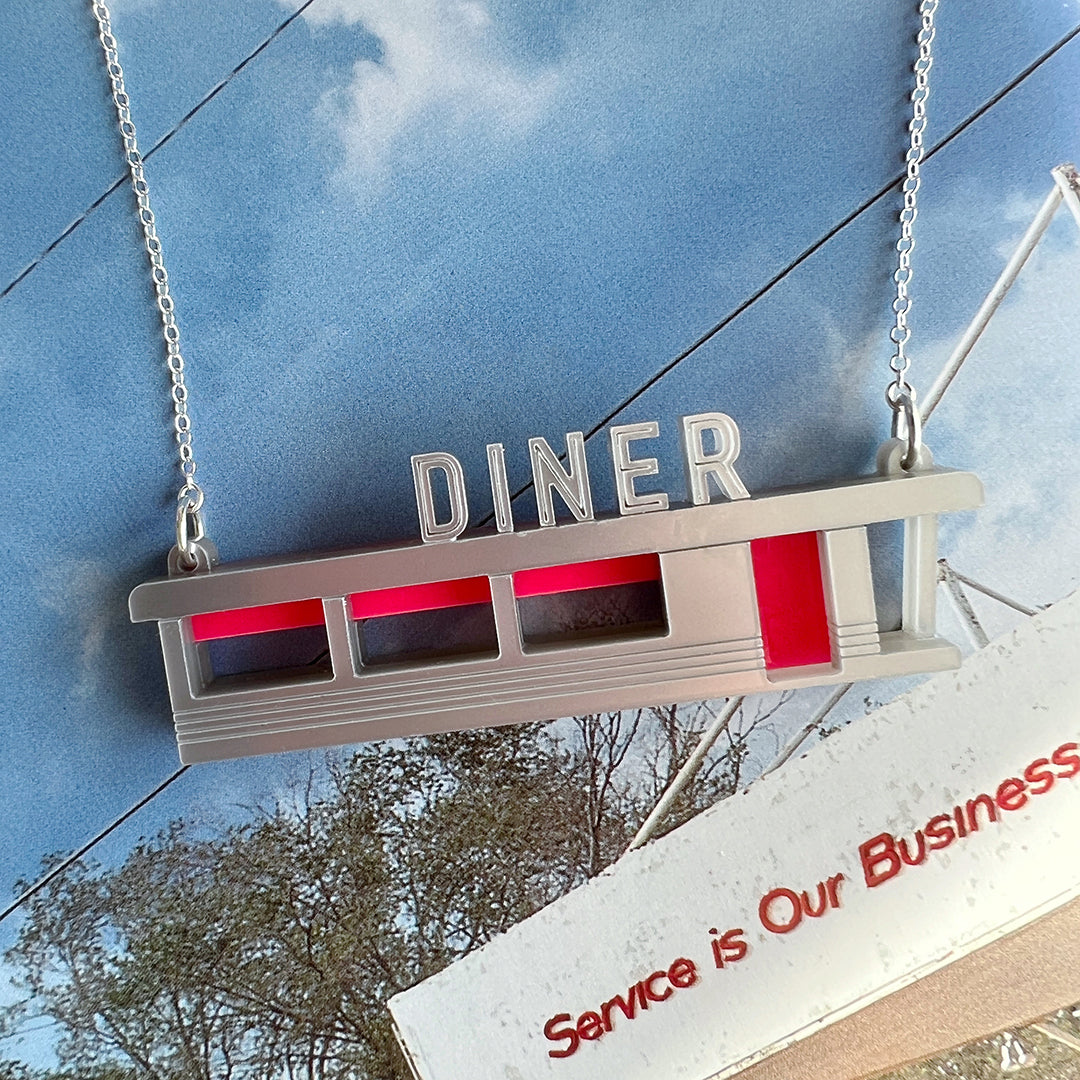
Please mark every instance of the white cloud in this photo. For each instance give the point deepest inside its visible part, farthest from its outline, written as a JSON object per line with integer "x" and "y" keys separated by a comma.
{"x": 84, "y": 594}
{"x": 1013, "y": 413}
{"x": 442, "y": 75}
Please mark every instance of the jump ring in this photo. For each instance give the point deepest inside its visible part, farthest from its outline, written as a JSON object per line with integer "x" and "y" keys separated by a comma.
{"x": 907, "y": 424}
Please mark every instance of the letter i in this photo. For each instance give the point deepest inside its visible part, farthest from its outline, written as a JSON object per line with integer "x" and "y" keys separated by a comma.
{"x": 718, "y": 956}
{"x": 500, "y": 488}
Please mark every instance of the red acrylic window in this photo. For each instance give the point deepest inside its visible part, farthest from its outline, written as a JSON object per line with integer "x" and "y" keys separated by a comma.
{"x": 596, "y": 574}
{"x": 430, "y": 596}
{"x": 215, "y": 625}
{"x": 791, "y": 600}
{"x": 295, "y": 614}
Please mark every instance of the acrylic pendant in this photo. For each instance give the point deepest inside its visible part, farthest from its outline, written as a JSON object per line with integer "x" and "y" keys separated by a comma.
{"x": 748, "y": 595}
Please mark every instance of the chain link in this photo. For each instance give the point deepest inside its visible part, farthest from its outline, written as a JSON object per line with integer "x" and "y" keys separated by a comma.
{"x": 190, "y": 496}
{"x": 899, "y": 388}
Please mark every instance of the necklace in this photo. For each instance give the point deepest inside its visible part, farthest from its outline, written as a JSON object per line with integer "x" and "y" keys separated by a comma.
{"x": 726, "y": 595}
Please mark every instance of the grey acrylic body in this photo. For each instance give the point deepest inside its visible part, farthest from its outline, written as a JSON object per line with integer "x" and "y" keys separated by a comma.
{"x": 747, "y": 595}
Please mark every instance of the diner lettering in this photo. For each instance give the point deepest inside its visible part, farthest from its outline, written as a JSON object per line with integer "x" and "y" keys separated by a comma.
{"x": 710, "y": 446}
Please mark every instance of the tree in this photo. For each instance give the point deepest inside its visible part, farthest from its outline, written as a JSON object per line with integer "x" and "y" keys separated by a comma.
{"x": 268, "y": 949}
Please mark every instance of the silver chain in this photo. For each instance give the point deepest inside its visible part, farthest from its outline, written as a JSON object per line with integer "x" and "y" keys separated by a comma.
{"x": 900, "y": 394}
{"x": 189, "y": 528}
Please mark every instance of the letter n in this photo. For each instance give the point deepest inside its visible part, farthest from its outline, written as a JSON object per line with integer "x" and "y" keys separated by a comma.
{"x": 549, "y": 476}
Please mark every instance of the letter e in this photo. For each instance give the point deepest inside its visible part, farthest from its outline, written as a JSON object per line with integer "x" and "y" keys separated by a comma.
{"x": 1011, "y": 794}
{"x": 627, "y": 469}
{"x": 682, "y": 973}
{"x": 590, "y": 1026}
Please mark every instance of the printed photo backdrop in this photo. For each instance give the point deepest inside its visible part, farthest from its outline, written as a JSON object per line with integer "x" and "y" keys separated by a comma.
{"x": 393, "y": 228}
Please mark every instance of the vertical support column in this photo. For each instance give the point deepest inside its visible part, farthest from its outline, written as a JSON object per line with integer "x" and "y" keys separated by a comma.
{"x": 849, "y": 593}
{"x": 186, "y": 666}
{"x": 709, "y": 599}
{"x": 920, "y": 576}
{"x": 344, "y": 660}
{"x": 507, "y": 627}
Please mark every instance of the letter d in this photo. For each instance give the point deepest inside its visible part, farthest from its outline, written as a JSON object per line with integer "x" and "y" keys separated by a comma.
{"x": 422, "y": 467}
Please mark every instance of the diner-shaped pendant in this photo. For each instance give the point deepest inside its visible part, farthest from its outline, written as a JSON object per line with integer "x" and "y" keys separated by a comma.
{"x": 744, "y": 595}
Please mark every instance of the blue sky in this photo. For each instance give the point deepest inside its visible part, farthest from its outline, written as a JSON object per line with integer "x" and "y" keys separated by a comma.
{"x": 432, "y": 225}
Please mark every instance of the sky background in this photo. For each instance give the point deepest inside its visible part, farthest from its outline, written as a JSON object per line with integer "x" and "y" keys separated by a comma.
{"x": 431, "y": 225}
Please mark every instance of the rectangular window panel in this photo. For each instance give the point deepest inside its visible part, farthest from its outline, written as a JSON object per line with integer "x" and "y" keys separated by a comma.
{"x": 886, "y": 540}
{"x": 429, "y": 622}
{"x": 791, "y": 600}
{"x": 604, "y": 598}
{"x": 299, "y": 652}
{"x": 432, "y": 635}
{"x": 267, "y": 643}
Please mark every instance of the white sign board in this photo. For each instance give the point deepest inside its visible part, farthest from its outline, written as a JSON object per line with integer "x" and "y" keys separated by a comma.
{"x": 915, "y": 835}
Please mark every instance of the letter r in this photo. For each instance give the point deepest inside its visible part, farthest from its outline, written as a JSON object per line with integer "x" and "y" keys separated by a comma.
{"x": 700, "y": 464}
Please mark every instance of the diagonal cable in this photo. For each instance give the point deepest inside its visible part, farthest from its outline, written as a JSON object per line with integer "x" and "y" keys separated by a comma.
{"x": 61, "y": 866}
{"x": 122, "y": 180}
{"x": 818, "y": 244}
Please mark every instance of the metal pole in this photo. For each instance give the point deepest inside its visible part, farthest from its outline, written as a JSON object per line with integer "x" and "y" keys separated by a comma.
{"x": 1066, "y": 178}
{"x": 1067, "y": 188}
{"x": 793, "y": 744}
{"x": 1052, "y": 1031}
{"x": 1001, "y": 598}
{"x": 963, "y": 605}
{"x": 994, "y": 297}
{"x": 686, "y": 773}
